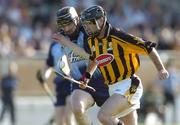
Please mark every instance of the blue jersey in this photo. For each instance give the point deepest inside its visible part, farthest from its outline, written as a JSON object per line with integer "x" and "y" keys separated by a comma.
{"x": 56, "y": 52}
{"x": 77, "y": 63}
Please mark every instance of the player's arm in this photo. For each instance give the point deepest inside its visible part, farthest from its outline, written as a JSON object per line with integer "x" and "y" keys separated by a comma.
{"x": 134, "y": 44}
{"x": 92, "y": 65}
{"x": 88, "y": 74}
{"x": 140, "y": 46}
{"x": 62, "y": 40}
{"x": 91, "y": 68}
{"x": 163, "y": 73}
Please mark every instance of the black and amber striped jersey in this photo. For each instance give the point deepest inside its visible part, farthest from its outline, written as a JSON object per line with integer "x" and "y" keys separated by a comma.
{"x": 117, "y": 53}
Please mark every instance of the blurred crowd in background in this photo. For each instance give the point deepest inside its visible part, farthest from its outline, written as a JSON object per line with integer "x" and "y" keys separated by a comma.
{"x": 26, "y": 26}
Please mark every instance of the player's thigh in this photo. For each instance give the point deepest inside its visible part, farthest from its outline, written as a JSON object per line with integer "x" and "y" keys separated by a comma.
{"x": 68, "y": 105}
{"x": 125, "y": 97}
{"x": 68, "y": 100}
{"x": 59, "y": 114}
{"x": 131, "y": 118}
{"x": 114, "y": 105}
{"x": 81, "y": 98}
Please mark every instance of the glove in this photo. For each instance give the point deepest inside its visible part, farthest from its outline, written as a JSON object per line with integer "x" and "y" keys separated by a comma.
{"x": 40, "y": 77}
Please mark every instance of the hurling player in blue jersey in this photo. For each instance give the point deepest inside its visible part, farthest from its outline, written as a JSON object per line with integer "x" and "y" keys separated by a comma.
{"x": 81, "y": 99}
{"x": 67, "y": 23}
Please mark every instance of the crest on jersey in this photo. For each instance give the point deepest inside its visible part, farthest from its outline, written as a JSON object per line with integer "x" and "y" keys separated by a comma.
{"x": 104, "y": 59}
{"x": 93, "y": 49}
{"x": 63, "y": 65}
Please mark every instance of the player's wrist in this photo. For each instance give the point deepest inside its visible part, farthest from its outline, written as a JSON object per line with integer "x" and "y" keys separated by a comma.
{"x": 91, "y": 57}
{"x": 88, "y": 75}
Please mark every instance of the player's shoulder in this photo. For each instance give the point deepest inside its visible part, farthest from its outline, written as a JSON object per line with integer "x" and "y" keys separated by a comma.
{"x": 120, "y": 34}
{"x": 56, "y": 45}
{"x": 117, "y": 31}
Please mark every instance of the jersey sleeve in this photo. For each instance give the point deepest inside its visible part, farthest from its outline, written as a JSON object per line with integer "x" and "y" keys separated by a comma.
{"x": 135, "y": 44}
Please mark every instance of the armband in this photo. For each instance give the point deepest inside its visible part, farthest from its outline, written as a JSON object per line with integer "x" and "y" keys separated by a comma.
{"x": 91, "y": 57}
{"x": 88, "y": 75}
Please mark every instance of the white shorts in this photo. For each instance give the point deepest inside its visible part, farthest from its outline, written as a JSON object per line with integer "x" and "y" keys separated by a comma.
{"x": 123, "y": 88}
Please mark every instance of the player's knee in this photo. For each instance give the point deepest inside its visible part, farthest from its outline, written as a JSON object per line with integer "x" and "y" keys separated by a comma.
{"x": 79, "y": 112}
{"x": 102, "y": 116}
{"x": 78, "y": 109}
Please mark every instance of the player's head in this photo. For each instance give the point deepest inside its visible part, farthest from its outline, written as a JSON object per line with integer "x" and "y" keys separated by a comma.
{"x": 93, "y": 20}
{"x": 67, "y": 20}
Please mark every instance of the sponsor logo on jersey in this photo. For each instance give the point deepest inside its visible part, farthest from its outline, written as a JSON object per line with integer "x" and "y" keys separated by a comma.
{"x": 104, "y": 59}
{"x": 74, "y": 57}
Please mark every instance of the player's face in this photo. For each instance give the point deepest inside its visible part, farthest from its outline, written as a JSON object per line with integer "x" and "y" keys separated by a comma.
{"x": 90, "y": 27}
{"x": 93, "y": 27}
{"x": 69, "y": 28}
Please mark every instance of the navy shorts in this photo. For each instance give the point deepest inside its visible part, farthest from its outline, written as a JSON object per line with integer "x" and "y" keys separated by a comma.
{"x": 102, "y": 90}
{"x": 63, "y": 89}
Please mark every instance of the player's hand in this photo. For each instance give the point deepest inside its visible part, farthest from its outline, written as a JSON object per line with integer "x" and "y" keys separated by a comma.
{"x": 58, "y": 37}
{"x": 163, "y": 74}
{"x": 40, "y": 77}
{"x": 83, "y": 85}
{"x": 84, "y": 80}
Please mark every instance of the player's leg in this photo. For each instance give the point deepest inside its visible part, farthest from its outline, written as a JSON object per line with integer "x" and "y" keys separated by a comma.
{"x": 70, "y": 118}
{"x": 131, "y": 118}
{"x": 64, "y": 116}
{"x": 59, "y": 115}
{"x": 114, "y": 104}
{"x": 60, "y": 109}
{"x": 63, "y": 90}
{"x": 80, "y": 102}
{"x": 124, "y": 100}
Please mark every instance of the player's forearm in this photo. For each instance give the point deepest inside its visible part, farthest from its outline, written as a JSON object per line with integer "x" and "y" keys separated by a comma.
{"x": 89, "y": 72}
{"x": 156, "y": 60}
{"x": 92, "y": 67}
{"x": 78, "y": 50}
